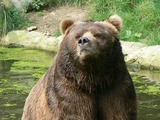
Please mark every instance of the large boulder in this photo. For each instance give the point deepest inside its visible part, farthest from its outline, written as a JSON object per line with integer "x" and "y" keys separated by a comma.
{"x": 146, "y": 57}
{"x": 21, "y": 4}
{"x": 31, "y": 39}
{"x": 131, "y": 47}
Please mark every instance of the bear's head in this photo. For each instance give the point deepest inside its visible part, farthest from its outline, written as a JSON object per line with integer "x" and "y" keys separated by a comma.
{"x": 90, "y": 39}
{"x": 90, "y": 52}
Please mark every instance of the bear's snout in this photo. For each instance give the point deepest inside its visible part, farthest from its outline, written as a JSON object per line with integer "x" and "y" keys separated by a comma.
{"x": 83, "y": 41}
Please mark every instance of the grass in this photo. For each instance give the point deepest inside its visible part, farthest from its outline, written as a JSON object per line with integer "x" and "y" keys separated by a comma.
{"x": 141, "y": 18}
{"x": 11, "y": 18}
{"x": 40, "y": 14}
{"x": 64, "y": 2}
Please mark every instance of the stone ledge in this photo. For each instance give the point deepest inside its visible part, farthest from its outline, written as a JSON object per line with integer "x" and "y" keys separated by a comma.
{"x": 137, "y": 54}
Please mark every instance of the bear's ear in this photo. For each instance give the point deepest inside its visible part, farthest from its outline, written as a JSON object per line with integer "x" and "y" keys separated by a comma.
{"x": 116, "y": 21}
{"x": 65, "y": 24}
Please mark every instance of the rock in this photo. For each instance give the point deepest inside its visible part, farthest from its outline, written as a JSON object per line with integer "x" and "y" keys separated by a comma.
{"x": 31, "y": 39}
{"x": 32, "y": 28}
{"x": 21, "y": 4}
{"x": 131, "y": 47}
{"x": 137, "y": 55}
{"x": 146, "y": 57}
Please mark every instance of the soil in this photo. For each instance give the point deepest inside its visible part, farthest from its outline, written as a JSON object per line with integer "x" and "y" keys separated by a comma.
{"x": 47, "y": 21}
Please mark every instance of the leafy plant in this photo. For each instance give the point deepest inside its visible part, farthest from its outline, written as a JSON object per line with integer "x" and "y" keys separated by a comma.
{"x": 37, "y": 4}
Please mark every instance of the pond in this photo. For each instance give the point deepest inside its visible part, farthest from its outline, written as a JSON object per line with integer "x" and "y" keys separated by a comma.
{"x": 20, "y": 69}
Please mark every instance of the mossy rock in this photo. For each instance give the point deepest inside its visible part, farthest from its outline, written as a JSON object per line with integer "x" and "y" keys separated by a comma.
{"x": 147, "y": 57}
{"x": 31, "y": 39}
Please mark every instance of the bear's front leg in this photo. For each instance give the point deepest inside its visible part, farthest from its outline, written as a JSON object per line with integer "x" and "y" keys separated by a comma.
{"x": 67, "y": 103}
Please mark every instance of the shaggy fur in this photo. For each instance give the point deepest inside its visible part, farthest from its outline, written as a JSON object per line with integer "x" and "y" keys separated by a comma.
{"x": 85, "y": 85}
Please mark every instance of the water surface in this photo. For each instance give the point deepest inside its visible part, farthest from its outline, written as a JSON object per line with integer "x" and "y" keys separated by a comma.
{"x": 20, "y": 69}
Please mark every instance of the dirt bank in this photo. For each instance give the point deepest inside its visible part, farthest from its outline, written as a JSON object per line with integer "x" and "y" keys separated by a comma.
{"x": 47, "y": 21}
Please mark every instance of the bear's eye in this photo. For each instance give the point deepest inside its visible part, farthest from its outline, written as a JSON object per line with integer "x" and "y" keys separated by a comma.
{"x": 98, "y": 34}
{"x": 77, "y": 36}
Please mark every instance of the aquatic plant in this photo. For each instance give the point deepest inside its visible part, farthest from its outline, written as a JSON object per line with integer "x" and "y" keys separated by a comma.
{"x": 145, "y": 86}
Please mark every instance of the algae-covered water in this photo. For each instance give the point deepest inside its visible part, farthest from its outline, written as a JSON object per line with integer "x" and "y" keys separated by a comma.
{"x": 20, "y": 69}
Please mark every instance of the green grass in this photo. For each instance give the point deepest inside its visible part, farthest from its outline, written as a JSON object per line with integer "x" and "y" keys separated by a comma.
{"x": 11, "y": 19}
{"x": 39, "y": 14}
{"x": 141, "y": 18}
{"x": 64, "y": 2}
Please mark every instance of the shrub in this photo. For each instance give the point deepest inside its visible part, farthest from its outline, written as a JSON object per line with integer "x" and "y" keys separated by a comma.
{"x": 37, "y": 4}
{"x": 11, "y": 19}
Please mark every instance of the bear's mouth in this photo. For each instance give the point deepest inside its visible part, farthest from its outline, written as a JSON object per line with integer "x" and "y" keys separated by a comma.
{"x": 85, "y": 51}
{"x": 85, "y": 54}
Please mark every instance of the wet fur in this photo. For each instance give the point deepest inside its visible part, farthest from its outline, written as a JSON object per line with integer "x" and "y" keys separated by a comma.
{"x": 64, "y": 93}
{"x": 100, "y": 89}
{"x": 91, "y": 94}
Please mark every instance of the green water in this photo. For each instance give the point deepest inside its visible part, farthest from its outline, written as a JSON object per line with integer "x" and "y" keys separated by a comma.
{"x": 20, "y": 69}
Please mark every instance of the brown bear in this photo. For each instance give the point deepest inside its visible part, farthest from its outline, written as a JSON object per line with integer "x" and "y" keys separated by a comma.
{"x": 89, "y": 79}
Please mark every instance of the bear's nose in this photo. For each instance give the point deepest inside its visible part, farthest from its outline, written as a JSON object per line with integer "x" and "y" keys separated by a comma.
{"x": 83, "y": 41}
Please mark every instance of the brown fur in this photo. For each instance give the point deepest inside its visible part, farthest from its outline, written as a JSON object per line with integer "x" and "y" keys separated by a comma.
{"x": 116, "y": 21}
{"x": 65, "y": 24}
{"x": 93, "y": 84}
